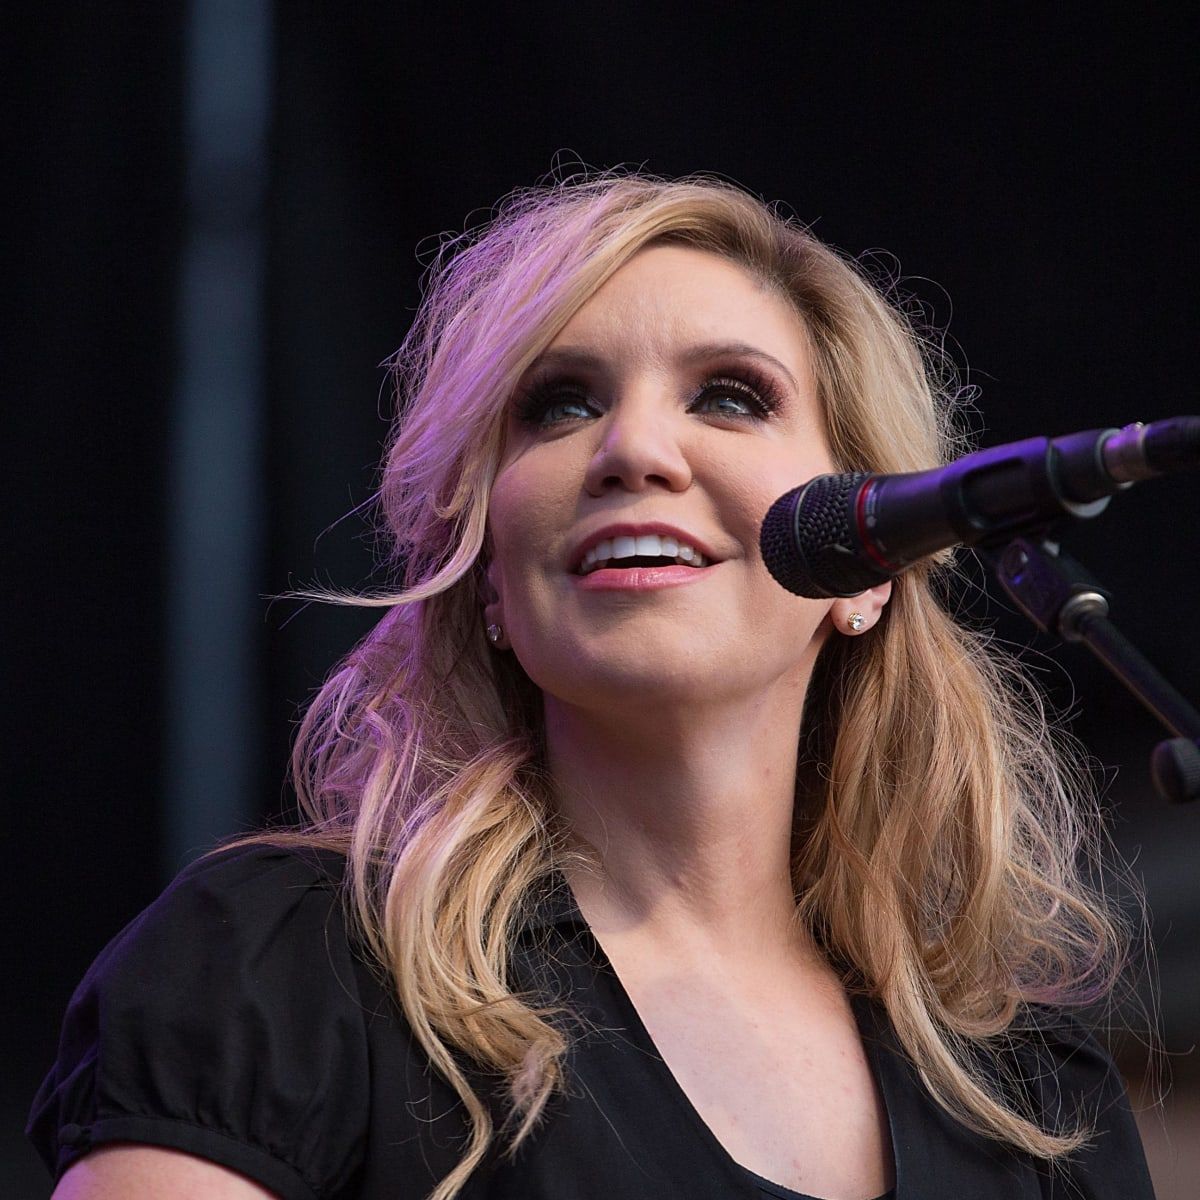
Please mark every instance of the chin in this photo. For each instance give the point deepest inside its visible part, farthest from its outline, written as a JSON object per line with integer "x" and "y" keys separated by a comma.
{"x": 635, "y": 680}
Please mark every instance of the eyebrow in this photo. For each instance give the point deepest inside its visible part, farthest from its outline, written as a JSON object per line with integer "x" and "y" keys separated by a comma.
{"x": 585, "y": 360}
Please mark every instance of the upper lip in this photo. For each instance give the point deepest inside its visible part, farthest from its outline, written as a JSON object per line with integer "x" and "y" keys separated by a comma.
{"x": 634, "y": 529}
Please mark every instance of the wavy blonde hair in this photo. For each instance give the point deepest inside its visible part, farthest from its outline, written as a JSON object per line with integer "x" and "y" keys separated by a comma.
{"x": 938, "y": 835}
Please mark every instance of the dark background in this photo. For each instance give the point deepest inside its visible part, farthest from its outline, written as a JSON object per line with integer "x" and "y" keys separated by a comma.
{"x": 1025, "y": 169}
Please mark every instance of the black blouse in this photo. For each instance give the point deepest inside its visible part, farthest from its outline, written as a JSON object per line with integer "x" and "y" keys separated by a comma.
{"x": 235, "y": 1020}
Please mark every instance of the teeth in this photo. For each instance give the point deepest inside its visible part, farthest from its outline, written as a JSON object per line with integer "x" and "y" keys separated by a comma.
{"x": 647, "y": 545}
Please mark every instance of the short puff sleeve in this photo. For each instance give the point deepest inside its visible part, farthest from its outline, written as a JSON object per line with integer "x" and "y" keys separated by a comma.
{"x": 224, "y": 1021}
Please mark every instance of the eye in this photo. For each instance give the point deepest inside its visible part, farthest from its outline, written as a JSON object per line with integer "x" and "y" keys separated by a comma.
{"x": 739, "y": 399}
{"x": 553, "y": 402}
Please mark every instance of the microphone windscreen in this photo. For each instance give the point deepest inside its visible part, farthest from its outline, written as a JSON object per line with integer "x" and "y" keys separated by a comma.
{"x": 808, "y": 541}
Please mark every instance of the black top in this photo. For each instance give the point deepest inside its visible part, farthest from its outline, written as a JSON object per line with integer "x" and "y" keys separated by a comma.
{"x": 235, "y": 1020}
{"x": 776, "y": 1191}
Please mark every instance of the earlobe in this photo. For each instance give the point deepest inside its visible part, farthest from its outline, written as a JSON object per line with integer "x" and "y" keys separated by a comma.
{"x": 493, "y": 610}
{"x": 852, "y": 615}
{"x": 493, "y": 627}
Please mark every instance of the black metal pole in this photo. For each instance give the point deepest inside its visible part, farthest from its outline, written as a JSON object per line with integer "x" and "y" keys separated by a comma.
{"x": 1059, "y": 596}
{"x": 1133, "y": 669}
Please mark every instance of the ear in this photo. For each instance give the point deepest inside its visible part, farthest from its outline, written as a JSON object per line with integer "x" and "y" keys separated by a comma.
{"x": 854, "y": 615}
{"x": 487, "y": 586}
{"x": 493, "y": 606}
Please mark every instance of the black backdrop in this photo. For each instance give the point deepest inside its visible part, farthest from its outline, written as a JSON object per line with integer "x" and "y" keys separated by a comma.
{"x": 1026, "y": 170}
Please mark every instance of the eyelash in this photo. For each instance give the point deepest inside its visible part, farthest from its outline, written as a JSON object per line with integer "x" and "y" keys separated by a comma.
{"x": 760, "y": 392}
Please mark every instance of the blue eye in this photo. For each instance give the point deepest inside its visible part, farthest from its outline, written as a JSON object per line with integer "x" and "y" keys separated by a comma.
{"x": 564, "y": 410}
{"x": 726, "y": 405}
{"x": 551, "y": 404}
{"x": 736, "y": 398}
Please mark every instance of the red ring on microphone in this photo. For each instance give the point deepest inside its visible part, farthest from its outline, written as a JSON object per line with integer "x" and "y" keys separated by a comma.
{"x": 864, "y": 539}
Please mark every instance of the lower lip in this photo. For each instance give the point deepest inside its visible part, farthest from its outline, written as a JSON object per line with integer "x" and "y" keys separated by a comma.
{"x": 640, "y": 579}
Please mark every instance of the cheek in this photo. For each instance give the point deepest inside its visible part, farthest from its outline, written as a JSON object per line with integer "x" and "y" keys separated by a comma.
{"x": 520, "y": 525}
{"x": 506, "y": 567}
{"x": 745, "y": 487}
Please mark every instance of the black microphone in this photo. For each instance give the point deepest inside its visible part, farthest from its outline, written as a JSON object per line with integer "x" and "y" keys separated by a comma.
{"x": 840, "y": 534}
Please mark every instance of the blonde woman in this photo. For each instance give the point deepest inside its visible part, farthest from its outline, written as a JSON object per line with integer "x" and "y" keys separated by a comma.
{"x": 625, "y": 873}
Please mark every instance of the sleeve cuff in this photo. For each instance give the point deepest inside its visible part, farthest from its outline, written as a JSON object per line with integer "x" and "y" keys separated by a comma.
{"x": 272, "y": 1173}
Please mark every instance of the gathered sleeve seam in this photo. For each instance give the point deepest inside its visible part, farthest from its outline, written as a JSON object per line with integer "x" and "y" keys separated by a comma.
{"x": 262, "y": 1165}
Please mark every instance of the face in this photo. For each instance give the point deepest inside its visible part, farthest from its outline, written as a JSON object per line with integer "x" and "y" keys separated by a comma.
{"x": 643, "y": 450}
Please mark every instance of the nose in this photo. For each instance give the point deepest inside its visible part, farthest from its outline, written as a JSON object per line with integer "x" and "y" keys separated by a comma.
{"x": 640, "y": 447}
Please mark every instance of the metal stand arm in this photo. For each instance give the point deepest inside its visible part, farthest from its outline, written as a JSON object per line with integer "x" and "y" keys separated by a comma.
{"x": 1059, "y": 596}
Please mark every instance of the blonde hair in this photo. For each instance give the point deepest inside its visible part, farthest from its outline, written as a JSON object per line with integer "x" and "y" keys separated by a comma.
{"x": 937, "y": 831}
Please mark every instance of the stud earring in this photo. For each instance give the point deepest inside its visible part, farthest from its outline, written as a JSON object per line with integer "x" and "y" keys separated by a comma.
{"x": 856, "y": 621}
{"x": 494, "y": 634}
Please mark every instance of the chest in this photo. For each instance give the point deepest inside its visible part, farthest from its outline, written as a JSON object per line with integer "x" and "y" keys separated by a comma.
{"x": 772, "y": 1062}
{"x": 639, "y": 1120}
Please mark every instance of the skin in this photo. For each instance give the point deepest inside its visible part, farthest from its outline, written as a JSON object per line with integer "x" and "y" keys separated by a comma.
{"x": 132, "y": 1172}
{"x": 672, "y": 719}
{"x": 673, "y": 715}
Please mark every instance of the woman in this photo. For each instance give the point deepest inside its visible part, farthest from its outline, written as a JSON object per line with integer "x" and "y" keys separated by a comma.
{"x": 658, "y": 880}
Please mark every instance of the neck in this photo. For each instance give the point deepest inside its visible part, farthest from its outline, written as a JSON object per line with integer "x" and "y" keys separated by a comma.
{"x": 688, "y": 813}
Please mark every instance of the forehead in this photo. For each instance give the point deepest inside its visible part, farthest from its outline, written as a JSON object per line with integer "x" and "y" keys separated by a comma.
{"x": 666, "y": 296}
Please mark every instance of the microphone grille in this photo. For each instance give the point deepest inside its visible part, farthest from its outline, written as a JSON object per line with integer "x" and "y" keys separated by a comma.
{"x": 807, "y": 541}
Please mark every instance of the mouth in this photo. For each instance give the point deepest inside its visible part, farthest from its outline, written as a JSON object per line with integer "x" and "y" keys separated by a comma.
{"x": 626, "y": 552}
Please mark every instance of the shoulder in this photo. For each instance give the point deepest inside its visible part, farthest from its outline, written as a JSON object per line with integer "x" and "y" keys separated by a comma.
{"x": 246, "y": 875}
{"x": 213, "y": 1023}
{"x": 1071, "y": 1081}
{"x": 242, "y": 921}
{"x": 1061, "y": 1062}
{"x": 247, "y": 890}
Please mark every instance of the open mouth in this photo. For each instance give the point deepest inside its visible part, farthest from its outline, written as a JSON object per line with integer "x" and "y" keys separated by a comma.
{"x": 645, "y": 550}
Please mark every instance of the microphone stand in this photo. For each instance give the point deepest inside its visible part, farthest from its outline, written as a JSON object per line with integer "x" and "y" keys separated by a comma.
{"x": 1059, "y": 596}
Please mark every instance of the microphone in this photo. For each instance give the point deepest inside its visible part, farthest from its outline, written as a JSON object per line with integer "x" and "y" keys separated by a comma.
{"x": 838, "y": 535}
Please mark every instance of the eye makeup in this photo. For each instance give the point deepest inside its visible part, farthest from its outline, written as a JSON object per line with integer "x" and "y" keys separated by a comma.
{"x": 536, "y": 402}
{"x": 548, "y": 399}
{"x": 749, "y": 386}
